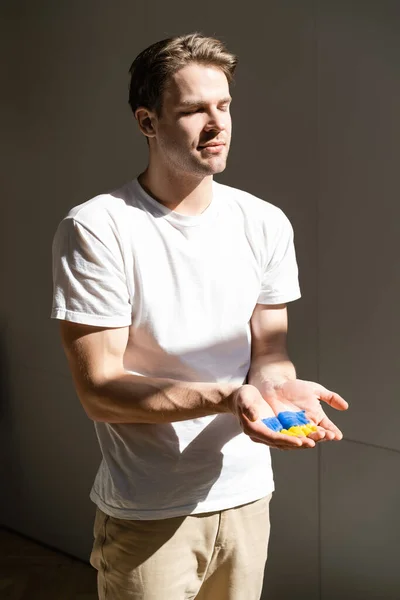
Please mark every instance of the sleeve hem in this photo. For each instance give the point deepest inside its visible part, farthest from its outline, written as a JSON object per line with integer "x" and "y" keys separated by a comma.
{"x": 95, "y": 320}
{"x": 265, "y": 299}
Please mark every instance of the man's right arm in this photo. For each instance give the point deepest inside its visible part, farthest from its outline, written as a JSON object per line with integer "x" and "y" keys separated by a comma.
{"x": 110, "y": 394}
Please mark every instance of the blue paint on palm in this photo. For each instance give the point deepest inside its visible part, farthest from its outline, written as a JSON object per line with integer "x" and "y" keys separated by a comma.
{"x": 286, "y": 420}
{"x": 290, "y": 418}
{"x": 273, "y": 423}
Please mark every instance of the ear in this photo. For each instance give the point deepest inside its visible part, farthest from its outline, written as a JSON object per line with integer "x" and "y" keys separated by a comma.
{"x": 146, "y": 121}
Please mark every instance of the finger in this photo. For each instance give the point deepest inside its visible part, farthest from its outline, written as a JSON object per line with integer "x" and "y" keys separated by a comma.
{"x": 277, "y": 440}
{"x": 271, "y": 444}
{"x": 318, "y": 436}
{"x": 250, "y": 412}
{"x": 325, "y": 427}
{"x": 262, "y": 433}
{"x": 332, "y": 432}
{"x": 322, "y": 435}
{"x": 279, "y": 445}
{"x": 306, "y": 441}
{"x": 331, "y": 398}
{"x": 281, "y": 440}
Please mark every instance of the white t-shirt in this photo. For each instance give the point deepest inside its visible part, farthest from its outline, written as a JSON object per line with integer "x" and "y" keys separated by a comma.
{"x": 186, "y": 286}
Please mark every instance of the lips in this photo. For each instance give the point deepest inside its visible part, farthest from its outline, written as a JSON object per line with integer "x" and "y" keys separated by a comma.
{"x": 212, "y": 144}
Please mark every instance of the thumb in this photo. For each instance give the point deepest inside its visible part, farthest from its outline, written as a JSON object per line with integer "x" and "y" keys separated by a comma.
{"x": 249, "y": 400}
{"x": 331, "y": 398}
{"x": 251, "y": 412}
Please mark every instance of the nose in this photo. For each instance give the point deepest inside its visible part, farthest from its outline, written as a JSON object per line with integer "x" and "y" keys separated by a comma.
{"x": 216, "y": 121}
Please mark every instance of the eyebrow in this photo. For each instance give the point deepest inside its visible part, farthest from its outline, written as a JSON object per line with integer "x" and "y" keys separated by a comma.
{"x": 202, "y": 103}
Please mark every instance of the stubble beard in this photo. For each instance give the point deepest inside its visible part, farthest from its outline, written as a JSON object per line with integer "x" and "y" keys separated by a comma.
{"x": 190, "y": 164}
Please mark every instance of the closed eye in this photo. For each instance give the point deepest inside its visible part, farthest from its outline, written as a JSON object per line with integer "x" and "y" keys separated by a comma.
{"x": 223, "y": 107}
{"x": 193, "y": 112}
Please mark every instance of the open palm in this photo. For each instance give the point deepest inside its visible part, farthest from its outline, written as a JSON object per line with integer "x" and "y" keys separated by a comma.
{"x": 295, "y": 395}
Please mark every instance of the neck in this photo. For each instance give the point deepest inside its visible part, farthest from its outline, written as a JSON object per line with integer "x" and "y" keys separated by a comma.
{"x": 185, "y": 195}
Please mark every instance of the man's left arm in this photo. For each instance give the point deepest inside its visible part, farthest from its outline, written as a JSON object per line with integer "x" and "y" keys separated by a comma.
{"x": 274, "y": 375}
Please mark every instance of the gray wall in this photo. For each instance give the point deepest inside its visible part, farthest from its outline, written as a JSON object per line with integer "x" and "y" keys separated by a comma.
{"x": 316, "y": 129}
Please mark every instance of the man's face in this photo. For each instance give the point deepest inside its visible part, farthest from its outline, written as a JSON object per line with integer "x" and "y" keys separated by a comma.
{"x": 193, "y": 133}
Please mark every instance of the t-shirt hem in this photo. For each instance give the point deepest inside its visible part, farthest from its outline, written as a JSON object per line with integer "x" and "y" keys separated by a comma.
{"x": 85, "y": 319}
{"x": 180, "y": 511}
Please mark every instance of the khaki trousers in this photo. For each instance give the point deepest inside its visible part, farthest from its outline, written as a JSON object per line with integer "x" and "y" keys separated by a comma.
{"x": 210, "y": 556}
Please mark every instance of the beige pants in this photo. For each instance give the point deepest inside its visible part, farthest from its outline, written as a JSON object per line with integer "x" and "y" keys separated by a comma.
{"x": 210, "y": 556}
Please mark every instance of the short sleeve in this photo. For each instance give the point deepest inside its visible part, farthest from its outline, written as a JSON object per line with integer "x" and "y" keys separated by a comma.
{"x": 89, "y": 279}
{"x": 280, "y": 282}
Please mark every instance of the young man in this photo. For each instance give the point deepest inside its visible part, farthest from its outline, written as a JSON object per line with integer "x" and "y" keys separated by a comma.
{"x": 172, "y": 294}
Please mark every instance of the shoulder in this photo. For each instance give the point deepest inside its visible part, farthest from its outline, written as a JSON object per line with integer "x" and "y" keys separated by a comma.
{"x": 100, "y": 220}
{"x": 252, "y": 207}
{"x": 104, "y": 209}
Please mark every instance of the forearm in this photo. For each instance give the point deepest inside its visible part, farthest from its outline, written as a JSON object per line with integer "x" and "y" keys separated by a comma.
{"x": 270, "y": 369}
{"x": 129, "y": 398}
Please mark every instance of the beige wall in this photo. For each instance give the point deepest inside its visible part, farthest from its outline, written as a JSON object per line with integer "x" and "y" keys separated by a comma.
{"x": 316, "y": 128}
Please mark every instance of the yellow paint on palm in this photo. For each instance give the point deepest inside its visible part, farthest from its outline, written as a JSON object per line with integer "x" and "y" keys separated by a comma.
{"x": 299, "y": 430}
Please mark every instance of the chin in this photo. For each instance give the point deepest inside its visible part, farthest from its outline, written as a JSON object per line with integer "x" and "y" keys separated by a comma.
{"x": 216, "y": 171}
{"x": 207, "y": 167}
{"x": 212, "y": 170}
{"x": 216, "y": 166}
{"x": 219, "y": 168}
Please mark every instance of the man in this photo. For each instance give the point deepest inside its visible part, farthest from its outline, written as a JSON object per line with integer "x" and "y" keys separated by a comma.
{"x": 172, "y": 293}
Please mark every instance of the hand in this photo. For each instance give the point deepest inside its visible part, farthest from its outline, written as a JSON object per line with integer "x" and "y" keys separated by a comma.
{"x": 250, "y": 407}
{"x": 297, "y": 395}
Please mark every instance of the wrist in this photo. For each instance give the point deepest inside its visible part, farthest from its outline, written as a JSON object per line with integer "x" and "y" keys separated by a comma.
{"x": 277, "y": 383}
{"x": 273, "y": 382}
{"x": 232, "y": 399}
{"x": 271, "y": 371}
{"x": 228, "y": 394}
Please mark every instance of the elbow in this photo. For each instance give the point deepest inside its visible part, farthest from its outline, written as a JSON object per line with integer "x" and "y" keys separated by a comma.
{"x": 93, "y": 405}
{"x": 97, "y": 415}
{"x": 92, "y": 410}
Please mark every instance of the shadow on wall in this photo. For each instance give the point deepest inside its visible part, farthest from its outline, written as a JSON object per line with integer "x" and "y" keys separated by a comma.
{"x": 8, "y": 472}
{"x": 49, "y": 454}
{"x": 4, "y": 381}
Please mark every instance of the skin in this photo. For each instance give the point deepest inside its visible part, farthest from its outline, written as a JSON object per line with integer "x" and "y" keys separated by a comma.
{"x": 195, "y": 112}
{"x": 273, "y": 375}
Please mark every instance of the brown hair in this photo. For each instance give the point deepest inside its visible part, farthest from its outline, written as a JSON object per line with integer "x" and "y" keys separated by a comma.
{"x": 153, "y": 66}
